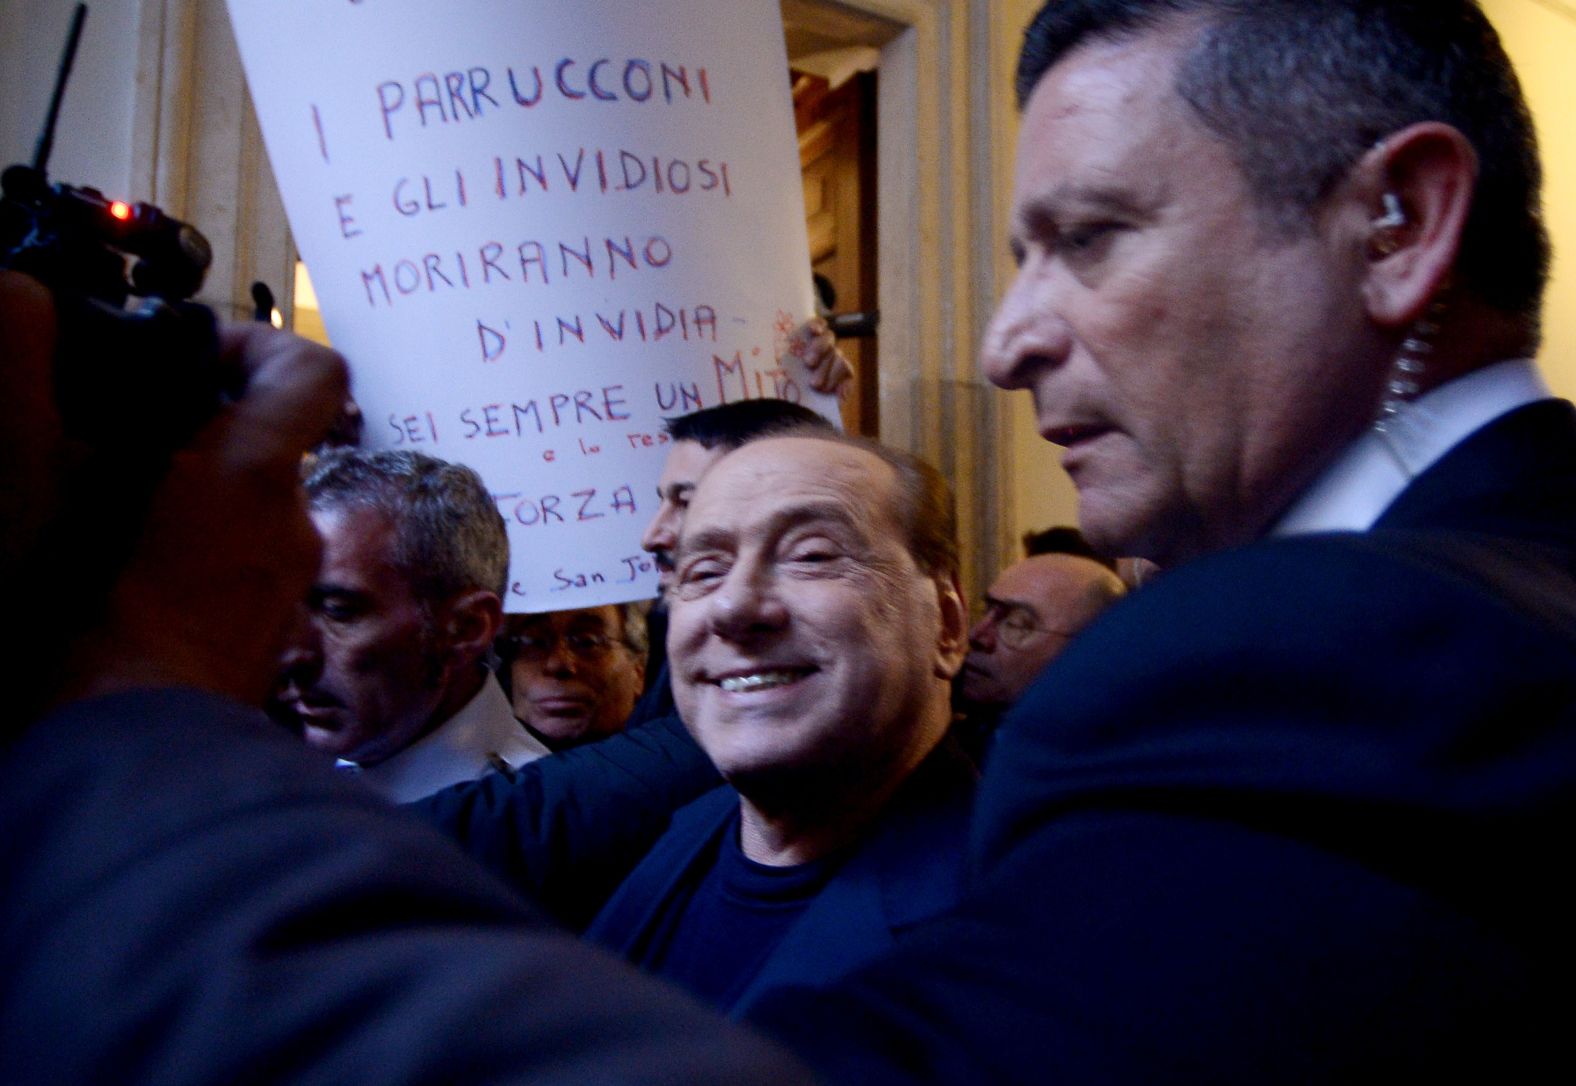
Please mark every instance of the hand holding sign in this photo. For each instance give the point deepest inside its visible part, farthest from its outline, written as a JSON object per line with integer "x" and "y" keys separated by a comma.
{"x": 813, "y": 349}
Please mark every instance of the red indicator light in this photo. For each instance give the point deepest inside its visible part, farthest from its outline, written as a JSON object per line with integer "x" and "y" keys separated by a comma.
{"x": 120, "y": 209}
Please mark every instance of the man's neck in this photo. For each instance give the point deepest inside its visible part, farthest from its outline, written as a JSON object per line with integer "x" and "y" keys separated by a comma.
{"x": 1353, "y": 492}
{"x": 466, "y": 684}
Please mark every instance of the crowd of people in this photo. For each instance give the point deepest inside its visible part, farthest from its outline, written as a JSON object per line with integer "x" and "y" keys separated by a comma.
{"x": 1290, "y": 810}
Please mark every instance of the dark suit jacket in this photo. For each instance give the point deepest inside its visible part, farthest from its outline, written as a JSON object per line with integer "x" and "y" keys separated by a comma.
{"x": 190, "y": 898}
{"x": 566, "y": 829}
{"x": 908, "y": 868}
{"x": 1298, "y": 812}
{"x": 657, "y": 701}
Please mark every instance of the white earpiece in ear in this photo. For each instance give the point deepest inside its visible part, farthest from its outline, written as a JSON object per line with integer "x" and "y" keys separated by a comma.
{"x": 1394, "y": 214}
{"x": 1386, "y": 236}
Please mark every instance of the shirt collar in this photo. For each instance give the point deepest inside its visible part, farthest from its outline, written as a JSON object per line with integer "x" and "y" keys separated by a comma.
{"x": 461, "y": 748}
{"x": 1373, "y": 470}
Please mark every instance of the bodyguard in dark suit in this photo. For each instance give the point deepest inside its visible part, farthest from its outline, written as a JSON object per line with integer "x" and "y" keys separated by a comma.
{"x": 1298, "y": 810}
{"x": 1293, "y": 813}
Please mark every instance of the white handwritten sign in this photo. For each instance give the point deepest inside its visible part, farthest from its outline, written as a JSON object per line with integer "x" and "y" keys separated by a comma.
{"x": 537, "y": 229}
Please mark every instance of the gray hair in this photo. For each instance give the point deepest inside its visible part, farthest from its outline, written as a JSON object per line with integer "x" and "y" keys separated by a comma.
{"x": 1300, "y": 91}
{"x": 449, "y": 536}
{"x": 636, "y": 635}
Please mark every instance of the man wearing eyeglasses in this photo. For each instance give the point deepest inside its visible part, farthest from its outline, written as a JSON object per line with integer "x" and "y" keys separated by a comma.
{"x": 1032, "y": 611}
{"x": 574, "y": 676}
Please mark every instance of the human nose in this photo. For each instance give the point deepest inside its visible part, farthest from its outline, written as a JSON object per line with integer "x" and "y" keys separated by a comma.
{"x": 302, "y": 657}
{"x": 662, "y": 533}
{"x": 560, "y": 658}
{"x": 748, "y": 603}
{"x": 983, "y": 635}
{"x": 1026, "y": 336}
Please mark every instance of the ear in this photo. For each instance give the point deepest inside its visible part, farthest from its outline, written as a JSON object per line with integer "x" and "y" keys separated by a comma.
{"x": 471, "y": 623}
{"x": 1414, "y": 191}
{"x": 953, "y": 642}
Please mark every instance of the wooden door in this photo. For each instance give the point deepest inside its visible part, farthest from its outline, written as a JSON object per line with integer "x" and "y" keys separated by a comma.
{"x": 837, "y": 156}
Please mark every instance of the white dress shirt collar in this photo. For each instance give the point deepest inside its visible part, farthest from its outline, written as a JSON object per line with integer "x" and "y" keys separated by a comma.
{"x": 468, "y": 745}
{"x": 1362, "y": 482}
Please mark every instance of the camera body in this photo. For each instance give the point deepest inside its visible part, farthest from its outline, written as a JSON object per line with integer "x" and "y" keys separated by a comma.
{"x": 141, "y": 378}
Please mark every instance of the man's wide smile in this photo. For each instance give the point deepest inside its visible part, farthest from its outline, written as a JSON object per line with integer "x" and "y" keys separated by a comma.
{"x": 742, "y": 681}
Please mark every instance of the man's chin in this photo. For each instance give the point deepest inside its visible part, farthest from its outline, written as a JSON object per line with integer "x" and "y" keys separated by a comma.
{"x": 325, "y": 735}
{"x": 559, "y": 721}
{"x": 985, "y": 702}
{"x": 560, "y": 732}
{"x": 976, "y": 689}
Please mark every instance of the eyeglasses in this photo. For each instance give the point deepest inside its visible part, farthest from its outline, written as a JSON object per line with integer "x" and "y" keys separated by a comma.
{"x": 536, "y": 647}
{"x": 1015, "y": 626}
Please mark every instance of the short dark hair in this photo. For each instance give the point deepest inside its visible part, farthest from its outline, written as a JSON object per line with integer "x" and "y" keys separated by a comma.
{"x": 448, "y": 534}
{"x": 1063, "y": 539}
{"x": 730, "y": 425}
{"x": 1300, "y": 91}
{"x": 928, "y": 515}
